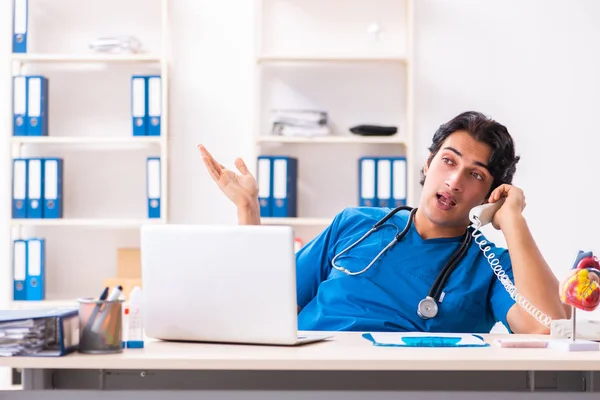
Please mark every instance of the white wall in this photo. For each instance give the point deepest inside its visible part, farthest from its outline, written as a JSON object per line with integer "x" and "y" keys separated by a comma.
{"x": 211, "y": 98}
{"x": 530, "y": 64}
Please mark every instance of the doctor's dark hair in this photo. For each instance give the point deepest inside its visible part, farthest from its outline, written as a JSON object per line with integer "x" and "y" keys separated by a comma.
{"x": 503, "y": 161}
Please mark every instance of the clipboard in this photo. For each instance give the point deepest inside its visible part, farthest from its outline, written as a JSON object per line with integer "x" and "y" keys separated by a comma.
{"x": 423, "y": 339}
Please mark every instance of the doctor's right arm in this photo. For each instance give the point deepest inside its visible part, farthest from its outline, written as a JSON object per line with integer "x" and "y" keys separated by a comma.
{"x": 313, "y": 261}
{"x": 241, "y": 189}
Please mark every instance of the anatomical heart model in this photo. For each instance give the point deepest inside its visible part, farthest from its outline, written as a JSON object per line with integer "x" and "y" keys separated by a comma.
{"x": 581, "y": 287}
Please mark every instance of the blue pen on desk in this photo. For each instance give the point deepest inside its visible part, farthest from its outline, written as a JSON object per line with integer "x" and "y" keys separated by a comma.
{"x": 114, "y": 296}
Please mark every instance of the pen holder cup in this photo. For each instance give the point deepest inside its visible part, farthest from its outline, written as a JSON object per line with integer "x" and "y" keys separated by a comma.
{"x": 100, "y": 326}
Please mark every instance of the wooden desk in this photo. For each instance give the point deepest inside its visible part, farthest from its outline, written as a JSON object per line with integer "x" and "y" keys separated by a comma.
{"x": 345, "y": 362}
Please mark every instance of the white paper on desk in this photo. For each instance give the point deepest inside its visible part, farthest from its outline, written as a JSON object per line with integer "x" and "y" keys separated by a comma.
{"x": 425, "y": 339}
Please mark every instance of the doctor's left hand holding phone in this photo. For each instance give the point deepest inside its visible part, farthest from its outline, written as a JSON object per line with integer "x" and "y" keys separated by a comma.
{"x": 241, "y": 188}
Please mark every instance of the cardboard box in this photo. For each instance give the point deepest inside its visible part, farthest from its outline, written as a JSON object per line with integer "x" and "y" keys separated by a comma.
{"x": 127, "y": 283}
{"x": 129, "y": 264}
{"x": 129, "y": 271}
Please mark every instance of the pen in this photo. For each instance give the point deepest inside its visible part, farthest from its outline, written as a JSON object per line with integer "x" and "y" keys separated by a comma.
{"x": 116, "y": 292}
{"x": 114, "y": 295}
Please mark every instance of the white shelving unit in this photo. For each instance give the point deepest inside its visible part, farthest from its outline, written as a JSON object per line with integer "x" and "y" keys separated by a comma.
{"x": 275, "y": 51}
{"x": 281, "y": 58}
{"x": 29, "y": 305}
{"x": 75, "y": 140}
{"x": 117, "y": 223}
{"x": 329, "y": 140}
{"x": 85, "y": 58}
{"x": 322, "y": 222}
{"x": 125, "y": 141}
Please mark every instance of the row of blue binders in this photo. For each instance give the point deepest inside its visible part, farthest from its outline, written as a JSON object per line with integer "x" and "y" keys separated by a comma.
{"x": 30, "y": 105}
{"x": 277, "y": 178}
{"x": 37, "y": 188}
{"x": 382, "y": 181}
{"x": 29, "y": 259}
{"x": 146, "y": 105}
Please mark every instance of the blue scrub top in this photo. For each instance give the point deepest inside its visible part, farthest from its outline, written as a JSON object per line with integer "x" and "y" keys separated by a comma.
{"x": 385, "y": 297}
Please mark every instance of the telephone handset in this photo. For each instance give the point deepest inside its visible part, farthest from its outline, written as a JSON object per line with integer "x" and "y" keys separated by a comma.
{"x": 484, "y": 214}
{"x": 479, "y": 217}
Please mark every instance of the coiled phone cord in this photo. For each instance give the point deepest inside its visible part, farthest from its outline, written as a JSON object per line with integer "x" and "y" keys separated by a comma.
{"x": 506, "y": 282}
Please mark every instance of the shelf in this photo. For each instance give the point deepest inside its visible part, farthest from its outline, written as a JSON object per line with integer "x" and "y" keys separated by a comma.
{"x": 85, "y": 58}
{"x": 330, "y": 59}
{"x": 331, "y": 140}
{"x": 101, "y": 222}
{"x": 116, "y": 140}
{"x": 296, "y": 221}
{"x": 30, "y": 305}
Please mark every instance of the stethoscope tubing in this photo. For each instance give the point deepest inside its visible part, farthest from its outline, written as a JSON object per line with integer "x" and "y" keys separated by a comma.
{"x": 436, "y": 289}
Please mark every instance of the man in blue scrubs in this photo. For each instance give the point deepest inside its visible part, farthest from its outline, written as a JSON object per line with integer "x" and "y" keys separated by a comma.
{"x": 472, "y": 161}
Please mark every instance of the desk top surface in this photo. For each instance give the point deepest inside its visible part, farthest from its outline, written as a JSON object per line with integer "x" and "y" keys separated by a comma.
{"x": 344, "y": 351}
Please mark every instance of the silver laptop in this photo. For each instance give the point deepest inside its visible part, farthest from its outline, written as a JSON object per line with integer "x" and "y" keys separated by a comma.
{"x": 228, "y": 284}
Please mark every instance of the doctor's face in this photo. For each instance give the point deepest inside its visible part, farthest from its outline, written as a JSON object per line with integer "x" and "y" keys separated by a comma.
{"x": 456, "y": 180}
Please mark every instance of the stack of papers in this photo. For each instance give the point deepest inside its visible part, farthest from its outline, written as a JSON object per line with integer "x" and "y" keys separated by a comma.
{"x": 21, "y": 338}
{"x": 421, "y": 339}
{"x": 116, "y": 44}
{"x": 305, "y": 123}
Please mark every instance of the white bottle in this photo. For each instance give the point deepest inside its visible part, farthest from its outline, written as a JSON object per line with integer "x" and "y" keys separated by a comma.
{"x": 124, "y": 319}
{"x": 135, "y": 328}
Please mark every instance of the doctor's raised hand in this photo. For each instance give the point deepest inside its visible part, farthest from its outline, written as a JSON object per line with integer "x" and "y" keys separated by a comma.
{"x": 241, "y": 188}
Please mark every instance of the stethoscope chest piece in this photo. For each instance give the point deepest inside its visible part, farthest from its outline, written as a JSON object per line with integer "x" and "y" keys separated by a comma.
{"x": 427, "y": 308}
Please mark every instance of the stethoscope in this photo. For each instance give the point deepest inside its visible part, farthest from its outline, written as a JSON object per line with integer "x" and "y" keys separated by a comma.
{"x": 428, "y": 307}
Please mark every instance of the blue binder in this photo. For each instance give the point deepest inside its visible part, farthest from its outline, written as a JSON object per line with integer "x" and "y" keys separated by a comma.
{"x": 19, "y": 188}
{"x": 367, "y": 181}
{"x": 60, "y": 341}
{"x": 36, "y": 260}
{"x": 384, "y": 182}
{"x": 154, "y": 105}
{"x": 284, "y": 187}
{"x": 264, "y": 180}
{"x": 20, "y": 105}
{"x": 37, "y": 105}
{"x": 35, "y": 187}
{"x": 399, "y": 182}
{"x": 53, "y": 188}
{"x": 20, "y": 26}
{"x": 153, "y": 186}
{"x": 139, "y": 105}
{"x": 19, "y": 260}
